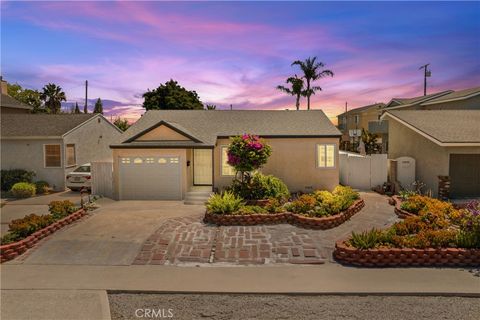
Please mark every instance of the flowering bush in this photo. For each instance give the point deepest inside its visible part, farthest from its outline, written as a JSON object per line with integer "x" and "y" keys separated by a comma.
{"x": 248, "y": 152}
{"x": 259, "y": 187}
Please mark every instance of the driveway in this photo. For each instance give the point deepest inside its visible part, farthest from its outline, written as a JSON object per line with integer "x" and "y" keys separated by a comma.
{"x": 16, "y": 209}
{"x": 113, "y": 235}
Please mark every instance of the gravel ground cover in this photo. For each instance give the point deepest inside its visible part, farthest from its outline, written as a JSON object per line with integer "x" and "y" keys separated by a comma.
{"x": 249, "y": 306}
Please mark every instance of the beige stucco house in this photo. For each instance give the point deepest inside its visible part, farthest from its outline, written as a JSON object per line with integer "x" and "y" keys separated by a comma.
{"x": 165, "y": 154}
{"x": 443, "y": 143}
{"x": 53, "y": 145}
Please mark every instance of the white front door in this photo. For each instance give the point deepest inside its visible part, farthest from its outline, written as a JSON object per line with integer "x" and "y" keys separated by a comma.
{"x": 202, "y": 167}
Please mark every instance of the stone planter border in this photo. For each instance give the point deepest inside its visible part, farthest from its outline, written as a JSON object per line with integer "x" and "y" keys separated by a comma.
{"x": 285, "y": 217}
{"x": 406, "y": 257}
{"x": 397, "y": 202}
{"x": 14, "y": 249}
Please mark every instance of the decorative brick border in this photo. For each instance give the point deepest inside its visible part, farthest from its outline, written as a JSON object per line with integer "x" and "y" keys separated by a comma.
{"x": 406, "y": 257}
{"x": 14, "y": 249}
{"x": 285, "y": 217}
{"x": 397, "y": 202}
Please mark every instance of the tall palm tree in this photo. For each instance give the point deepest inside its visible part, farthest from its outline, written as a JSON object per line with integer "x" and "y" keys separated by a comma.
{"x": 297, "y": 89}
{"x": 312, "y": 70}
{"x": 53, "y": 96}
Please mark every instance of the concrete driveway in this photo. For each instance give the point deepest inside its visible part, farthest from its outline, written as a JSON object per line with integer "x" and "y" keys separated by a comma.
{"x": 16, "y": 209}
{"x": 112, "y": 236}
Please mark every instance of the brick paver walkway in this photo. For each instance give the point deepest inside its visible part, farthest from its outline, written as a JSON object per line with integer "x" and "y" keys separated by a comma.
{"x": 188, "y": 240}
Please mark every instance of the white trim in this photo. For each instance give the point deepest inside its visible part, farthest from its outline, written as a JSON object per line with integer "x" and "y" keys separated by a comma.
{"x": 450, "y": 100}
{"x": 45, "y": 159}
{"x": 221, "y": 162}
{"x": 334, "y": 156}
{"x": 429, "y": 137}
{"x": 98, "y": 115}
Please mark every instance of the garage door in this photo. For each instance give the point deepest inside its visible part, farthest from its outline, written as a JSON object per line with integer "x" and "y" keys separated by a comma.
{"x": 150, "y": 178}
{"x": 465, "y": 175}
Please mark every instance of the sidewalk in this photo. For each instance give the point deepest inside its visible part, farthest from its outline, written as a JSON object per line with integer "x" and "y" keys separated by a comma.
{"x": 325, "y": 279}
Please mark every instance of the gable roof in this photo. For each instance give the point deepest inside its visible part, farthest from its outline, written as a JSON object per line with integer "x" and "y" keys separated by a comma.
{"x": 397, "y": 103}
{"x": 9, "y": 102}
{"x": 455, "y": 96}
{"x": 444, "y": 127}
{"x": 205, "y": 126}
{"x": 40, "y": 125}
{"x": 360, "y": 109}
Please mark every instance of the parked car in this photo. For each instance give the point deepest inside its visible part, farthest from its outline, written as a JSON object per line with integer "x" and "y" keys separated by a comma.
{"x": 80, "y": 178}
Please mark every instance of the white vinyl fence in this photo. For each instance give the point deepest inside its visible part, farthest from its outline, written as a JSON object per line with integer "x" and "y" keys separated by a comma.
{"x": 363, "y": 172}
{"x": 102, "y": 179}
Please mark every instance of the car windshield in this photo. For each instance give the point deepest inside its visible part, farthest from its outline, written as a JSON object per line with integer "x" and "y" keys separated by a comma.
{"x": 83, "y": 169}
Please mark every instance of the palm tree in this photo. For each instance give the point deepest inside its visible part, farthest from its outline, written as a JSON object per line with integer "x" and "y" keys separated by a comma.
{"x": 312, "y": 70}
{"x": 53, "y": 97}
{"x": 297, "y": 89}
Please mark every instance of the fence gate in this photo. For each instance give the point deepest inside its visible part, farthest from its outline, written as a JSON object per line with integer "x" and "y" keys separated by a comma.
{"x": 363, "y": 172}
{"x": 102, "y": 179}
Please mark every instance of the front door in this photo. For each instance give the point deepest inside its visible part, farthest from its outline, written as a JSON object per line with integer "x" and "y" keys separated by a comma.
{"x": 202, "y": 167}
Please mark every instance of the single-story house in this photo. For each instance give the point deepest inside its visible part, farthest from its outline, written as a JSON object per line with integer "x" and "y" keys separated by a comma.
{"x": 443, "y": 143}
{"x": 10, "y": 105}
{"x": 53, "y": 145}
{"x": 167, "y": 153}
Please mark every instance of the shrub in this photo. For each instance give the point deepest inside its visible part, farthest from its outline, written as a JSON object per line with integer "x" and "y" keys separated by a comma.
{"x": 61, "y": 209}
{"x": 305, "y": 204}
{"x": 346, "y": 192}
{"x": 23, "y": 190}
{"x": 225, "y": 203}
{"x": 29, "y": 224}
{"x": 334, "y": 203}
{"x": 9, "y": 238}
{"x": 246, "y": 210}
{"x": 259, "y": 187}
{"x": 248, "y": 152}
{"x": 366, "y": 239}
{"x": 42, "y": 186}
{"x": 274, "y": 205}
{"x": 467, "y": 239}
{"x": 13, "y": 176}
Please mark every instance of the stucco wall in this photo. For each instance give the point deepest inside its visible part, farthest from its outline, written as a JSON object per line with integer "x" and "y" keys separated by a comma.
{"x": 117, "y": 153}
{"x": 162, "y": 133}
{"x": 29, "y": 155}
{"x": 432, "y": 160}
{"x": 92, "y": 141}
{"x": 293, "y": 161}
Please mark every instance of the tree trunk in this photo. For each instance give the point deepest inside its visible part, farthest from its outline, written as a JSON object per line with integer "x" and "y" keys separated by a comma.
{"x": 298, "y": 102}
{"x": 308, "y": 94}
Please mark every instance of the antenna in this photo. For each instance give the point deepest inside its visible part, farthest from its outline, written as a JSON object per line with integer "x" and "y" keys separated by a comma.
{"x": 427, "y": 73}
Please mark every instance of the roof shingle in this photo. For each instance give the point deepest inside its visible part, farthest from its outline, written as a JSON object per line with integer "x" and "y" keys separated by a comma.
{"x": 9, "y": 102}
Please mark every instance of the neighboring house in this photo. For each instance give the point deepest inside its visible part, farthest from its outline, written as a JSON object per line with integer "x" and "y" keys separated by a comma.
{"x": 353, "y": 121}
{"x": 166, "y": 153}
{"x": 11, "y": 105}
{"x": 443, "y": 143}
{"x": 53, "y": 145}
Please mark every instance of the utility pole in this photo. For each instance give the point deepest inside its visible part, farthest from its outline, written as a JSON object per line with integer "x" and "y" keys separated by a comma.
{"x": 85, "y": 109}
{"x": 231, "y": 107}
{"x": 426, "y": 73}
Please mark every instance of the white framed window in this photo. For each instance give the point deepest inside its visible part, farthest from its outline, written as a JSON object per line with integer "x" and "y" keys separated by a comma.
{"x": 357, "y": 119}
{"x": 70, "y": 155}
{"x": 174, "y": 160}
{"x": 138, "y": 161}
{"x": 162, "y": 160}
{"x": 227, "y": 170}
{"x": 125, "y": 160}
{"x": 149, "y": 160}
{"x": 52, "y": 155}
{"x": 325, "y": 156}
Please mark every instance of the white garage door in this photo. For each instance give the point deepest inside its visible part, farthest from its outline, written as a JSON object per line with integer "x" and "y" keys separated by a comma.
{"x": 150, "y": 178}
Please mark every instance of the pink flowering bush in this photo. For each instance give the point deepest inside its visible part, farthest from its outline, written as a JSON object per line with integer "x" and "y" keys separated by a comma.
{"x": 247, "y": 153}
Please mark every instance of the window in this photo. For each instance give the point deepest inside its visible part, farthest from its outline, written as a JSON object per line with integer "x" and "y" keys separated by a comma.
{"x": 138, "y": 161}
{"x": 70, "y": 155}
{"x": 357, "y": 119}
{"x": 227, "y": 170}
{"x": 53, "y": 156}
{"x": 325, "y": 156}
{"x": 174, "y": 160}
{"x": 84, "y": 169}
{"x": 126, "y": 160}
{"x": 162, "y": 160}
{"x": 149, "y": 160}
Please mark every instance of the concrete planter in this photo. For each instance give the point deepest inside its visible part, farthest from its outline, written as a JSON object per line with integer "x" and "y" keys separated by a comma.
{"x": 285, "y": 217}
{"x": 14, "y": 249}
{"x": 406, "y": 257}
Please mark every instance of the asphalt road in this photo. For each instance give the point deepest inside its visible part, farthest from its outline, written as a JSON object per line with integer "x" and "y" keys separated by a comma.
{"x": 232, "y": 307}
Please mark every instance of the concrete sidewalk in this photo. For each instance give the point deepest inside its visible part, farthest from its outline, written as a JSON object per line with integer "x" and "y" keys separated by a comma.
{"x": 330, "y": 278}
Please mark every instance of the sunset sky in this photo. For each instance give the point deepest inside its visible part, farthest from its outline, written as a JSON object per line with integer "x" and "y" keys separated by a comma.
{"x": 238, "y": 52}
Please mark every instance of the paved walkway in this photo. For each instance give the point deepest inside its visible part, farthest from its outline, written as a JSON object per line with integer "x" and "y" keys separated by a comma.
{"x": 187, "y": 240}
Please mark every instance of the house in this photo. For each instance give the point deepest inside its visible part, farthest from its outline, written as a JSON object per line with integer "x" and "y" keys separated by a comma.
{"x": 10, "y": 105}
{"x": 53, "y": 145}
{"x": 165, "y": 154}
{"x": 444, "y": 143}
{"x": 352, "y": 122}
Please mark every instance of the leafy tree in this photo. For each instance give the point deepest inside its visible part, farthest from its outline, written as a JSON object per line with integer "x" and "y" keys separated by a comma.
{"x": 27, "y": 96}
{"x": 210, "y": 107}
{"x": 122, "y": 124}
{"x": 296, "y": 89}
{"x": 53, "y": 96}
{"x": 312, "y": 71}
{"x": 370, "y": 141}
{"x": 98, "y": 106}
{"x": 77, "y": 109}
{"x": 171, "y": 96}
